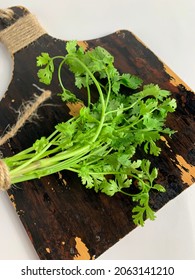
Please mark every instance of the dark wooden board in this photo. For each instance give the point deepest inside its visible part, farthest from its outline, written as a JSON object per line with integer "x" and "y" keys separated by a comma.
{"x": 64, "y": 220}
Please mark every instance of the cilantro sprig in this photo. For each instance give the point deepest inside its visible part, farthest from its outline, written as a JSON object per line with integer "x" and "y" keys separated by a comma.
{"x": 101, "y": 144}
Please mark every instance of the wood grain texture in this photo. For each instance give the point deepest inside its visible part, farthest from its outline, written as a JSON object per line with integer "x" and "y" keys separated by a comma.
{"x": 62, "y": 218}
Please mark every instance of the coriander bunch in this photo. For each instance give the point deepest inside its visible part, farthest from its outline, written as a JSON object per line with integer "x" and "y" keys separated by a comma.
{"x": 100, "y": 144}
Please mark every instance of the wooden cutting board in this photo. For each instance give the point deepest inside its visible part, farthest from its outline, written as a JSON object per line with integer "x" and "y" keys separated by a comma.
{"x": 62, "y": 218}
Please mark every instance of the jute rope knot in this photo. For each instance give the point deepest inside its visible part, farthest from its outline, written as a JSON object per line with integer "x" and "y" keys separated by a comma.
{"x": 6, "y": 14}
{"x": 5, "y": 181}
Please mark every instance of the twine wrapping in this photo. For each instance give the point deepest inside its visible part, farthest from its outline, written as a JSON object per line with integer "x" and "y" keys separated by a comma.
{"x": 6, "y": 14}
{"x": 22, "y": 33}
{"x": 5, "y": 181}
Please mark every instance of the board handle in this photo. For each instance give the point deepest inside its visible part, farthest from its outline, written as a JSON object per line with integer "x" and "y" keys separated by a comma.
{"x": 18, "y": 28}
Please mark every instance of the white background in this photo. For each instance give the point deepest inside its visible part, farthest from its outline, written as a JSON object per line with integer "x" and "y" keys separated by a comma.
{"x": 167, "y": 28}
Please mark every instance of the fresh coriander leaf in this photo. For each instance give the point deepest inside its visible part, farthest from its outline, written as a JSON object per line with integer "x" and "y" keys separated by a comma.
{"x": 43, "y": 59}
{"x": 130, "y": 81}
{"x": 71, "y": 47}
{"x": 109, "y": 187}
{"x": 123, "y": 181}
{"x": 68, "y": 96}
{"x": 138, "y": 217}
{"x": 154, "y": 149}
{"x": 86, "y": 178}
{"x": 159, "y": 188}
{"x": 45, "y": 75}
{"x": 150, "y": 214}
{"x": 136, "y": 164}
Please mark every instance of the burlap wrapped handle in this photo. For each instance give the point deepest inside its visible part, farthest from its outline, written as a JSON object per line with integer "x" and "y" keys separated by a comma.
{"x": 19, "y": 32}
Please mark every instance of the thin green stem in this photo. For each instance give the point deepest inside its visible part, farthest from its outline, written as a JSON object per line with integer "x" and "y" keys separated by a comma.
{"x": 124, "y": 109}
{"x": 92, "y": 77}
{"x": 59, "y": 74}
{"x": 88, "y": 90}
{"x": 133, "y": 123}
{"x": 109, "y": 89}
{"x": 100, "y": 94}
{"x": 125, "y": 193}
{"x": 35, "y": 156}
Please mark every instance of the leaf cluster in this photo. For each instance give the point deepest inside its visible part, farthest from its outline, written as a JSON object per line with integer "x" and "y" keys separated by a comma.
{"x": 101, "y": 143}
